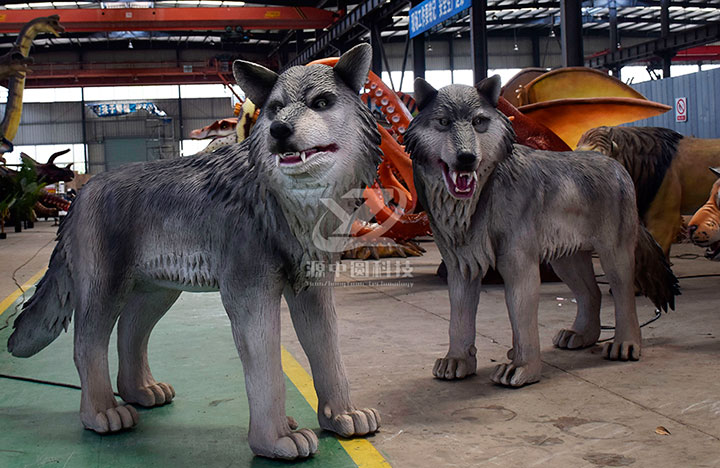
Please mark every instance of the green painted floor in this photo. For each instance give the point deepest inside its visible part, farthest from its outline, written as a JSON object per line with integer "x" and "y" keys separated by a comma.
{"x": 205, "y": 426}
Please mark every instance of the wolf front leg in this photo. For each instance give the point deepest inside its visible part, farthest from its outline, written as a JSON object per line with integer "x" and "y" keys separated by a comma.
{"x": 254, "y": 313}
{"x": 460, "y": 360}
{"x": 313, "y": 315}
{"x": 522, "y": 296}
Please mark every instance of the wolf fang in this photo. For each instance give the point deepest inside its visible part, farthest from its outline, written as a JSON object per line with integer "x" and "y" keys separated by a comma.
{"x": 529, "y": 206}
{"x": 229, "y": 208}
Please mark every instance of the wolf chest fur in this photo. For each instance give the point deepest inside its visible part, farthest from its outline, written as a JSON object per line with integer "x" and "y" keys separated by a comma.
{"x": 492, "y": 202}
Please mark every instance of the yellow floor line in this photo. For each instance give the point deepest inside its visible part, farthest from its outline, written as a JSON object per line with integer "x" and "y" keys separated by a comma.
{"x": 360, "y": 450}
{"x": 8, "y": 301}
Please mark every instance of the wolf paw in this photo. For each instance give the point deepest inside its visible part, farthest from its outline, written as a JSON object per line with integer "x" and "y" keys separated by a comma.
{"x": 513, "y": 375}
{"x": 148, "y": 396}
{"x": 350, "y": 423}
{"x": 111, "y": 420}
{"x": 622, "y": 351}
{"x": 451, "y": 368}
{"x": 296, "y": 444}
{"x": 571, "y": 339}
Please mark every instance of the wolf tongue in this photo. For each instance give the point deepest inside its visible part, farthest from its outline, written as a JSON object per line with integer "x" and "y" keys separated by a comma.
{"x": 463, "y": 181}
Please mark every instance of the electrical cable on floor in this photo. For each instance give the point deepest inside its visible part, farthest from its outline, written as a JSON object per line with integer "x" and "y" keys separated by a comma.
{"x": 44, "y": 382}
{"x": 19, "y": 286}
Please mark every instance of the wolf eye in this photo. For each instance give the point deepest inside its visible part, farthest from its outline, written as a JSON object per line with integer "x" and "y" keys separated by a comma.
{"x": 275, "y": 107}
{"x": 444, "y": 122}
{"x": 322, "y": 102}
{"x": 480, "y": 123}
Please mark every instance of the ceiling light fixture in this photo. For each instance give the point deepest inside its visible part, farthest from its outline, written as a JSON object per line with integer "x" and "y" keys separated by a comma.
{"x": 130, "y": 46}
{"x": 429, "y": 48}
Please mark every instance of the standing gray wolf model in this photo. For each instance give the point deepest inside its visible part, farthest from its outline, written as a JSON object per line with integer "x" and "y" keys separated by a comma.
{"x": 492, "y": 202}
{"x": 132, "y": 242}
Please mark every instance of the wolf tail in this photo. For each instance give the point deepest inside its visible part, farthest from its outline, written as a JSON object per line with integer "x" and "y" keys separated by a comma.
{"x": 48, "y": 311}
{"x": 653, "y": 276}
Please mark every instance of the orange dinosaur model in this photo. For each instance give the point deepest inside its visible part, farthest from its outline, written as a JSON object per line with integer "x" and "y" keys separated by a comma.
{"x": 704, "y": 227}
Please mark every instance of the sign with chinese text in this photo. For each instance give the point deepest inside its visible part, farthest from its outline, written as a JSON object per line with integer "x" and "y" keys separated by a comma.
{"x": 432, "y": 12}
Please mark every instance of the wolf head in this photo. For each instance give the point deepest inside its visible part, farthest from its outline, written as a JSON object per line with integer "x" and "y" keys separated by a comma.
{"x": 459, "y": 136}
{"x": 314, "y": 141}
{"x": 313, "y": 128}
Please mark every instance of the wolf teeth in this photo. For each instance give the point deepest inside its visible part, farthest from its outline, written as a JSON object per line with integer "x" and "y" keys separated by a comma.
{"x": 454, "y": 175}
{"x": 302, "y": 156}
{"x": 277, "y": 159}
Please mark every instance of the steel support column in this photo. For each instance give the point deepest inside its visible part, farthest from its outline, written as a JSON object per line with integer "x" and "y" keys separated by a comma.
{"x": 665, "y": 32}
{"x": 614, "y": 37}
{"x": 451, "y": 58}
{"x": 418, "y": 43}
{"x": 571, "y": 33}
{"x": 535, "y": 40}
{"x": 478, "y": 39}
{"x": 376, "y": 43}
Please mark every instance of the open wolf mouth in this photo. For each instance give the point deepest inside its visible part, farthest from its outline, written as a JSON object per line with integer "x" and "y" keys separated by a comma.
{"x": 713, "y": 251}
{"x": 296, "y": 158}
{"x": 459, "y": 184}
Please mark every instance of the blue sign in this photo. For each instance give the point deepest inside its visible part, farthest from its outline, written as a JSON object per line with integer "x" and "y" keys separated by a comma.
{"x": 114, "y": 109}
{"x": 432, "y": 12}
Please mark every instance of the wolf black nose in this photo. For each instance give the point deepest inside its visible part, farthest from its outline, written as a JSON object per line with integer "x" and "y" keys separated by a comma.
{"x": 466, "y": 158}
{"x": 692, "y": 228}
{"x": 280, "y": 130}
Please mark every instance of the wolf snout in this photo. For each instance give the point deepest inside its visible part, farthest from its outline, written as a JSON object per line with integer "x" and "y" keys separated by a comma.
{"x": 281, "y": 130}
{"x": 467, "y": 161}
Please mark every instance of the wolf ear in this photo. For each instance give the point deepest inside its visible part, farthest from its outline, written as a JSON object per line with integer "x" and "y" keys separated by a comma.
{"x": 715, "y": 170}
{"x": 353, "y": 66}
{"x": 424, "y": 93}
{"x": 489, "y": 88}
{"x": 255, "y": 80}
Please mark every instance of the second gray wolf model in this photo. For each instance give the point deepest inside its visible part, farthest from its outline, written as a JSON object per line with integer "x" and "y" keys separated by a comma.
{"x": 492, "y": 202}
{"x": 240, "y": 221}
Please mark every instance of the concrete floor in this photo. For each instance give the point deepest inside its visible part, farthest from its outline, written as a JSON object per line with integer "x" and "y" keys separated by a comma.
{"x": 586, "y": 412}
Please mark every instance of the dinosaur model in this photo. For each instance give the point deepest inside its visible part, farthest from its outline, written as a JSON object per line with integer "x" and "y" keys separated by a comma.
{"x": 704, "y": 226}
{"x": 16, "y": 85}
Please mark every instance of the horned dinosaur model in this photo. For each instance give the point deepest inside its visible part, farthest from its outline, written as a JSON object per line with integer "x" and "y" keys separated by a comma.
{"x": 314, "y": 141}
{"x": 704, "y": 226}
{"x": 492, "y": 202}
{"x": 16, "y": 86}
{"x": 669, "y": 171}
{"x": 47, "y": 173}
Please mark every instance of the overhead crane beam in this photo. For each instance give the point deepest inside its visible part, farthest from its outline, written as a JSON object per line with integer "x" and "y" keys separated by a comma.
{"x": 648, "y": 50}
{"x": 59, "y": 75}
{"x": 173, "y": 19}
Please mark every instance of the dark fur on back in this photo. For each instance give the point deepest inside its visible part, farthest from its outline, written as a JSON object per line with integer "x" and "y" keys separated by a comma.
{"x": 645, "y": 152}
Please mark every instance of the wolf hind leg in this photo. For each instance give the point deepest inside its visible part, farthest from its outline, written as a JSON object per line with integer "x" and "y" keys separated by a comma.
{"x": 141, "y": 313}
{"x": 460, "y": 360}
{"x": 95, "y": 318}
{"x": 578, "y": 274}
{"x": 619, "y": 265}
{"x": 522, "y": 296}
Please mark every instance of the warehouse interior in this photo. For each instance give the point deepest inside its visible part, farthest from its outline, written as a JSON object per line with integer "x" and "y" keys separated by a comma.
{"x": 138, "y": 81}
